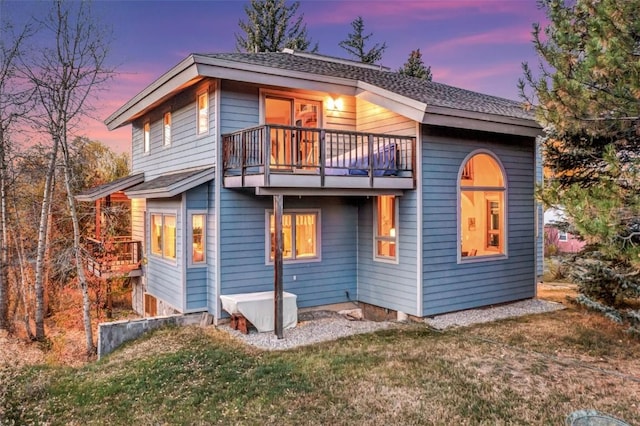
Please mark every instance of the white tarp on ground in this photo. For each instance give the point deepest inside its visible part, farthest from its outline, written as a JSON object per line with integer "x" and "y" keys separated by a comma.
{"x": 258, "y": 308}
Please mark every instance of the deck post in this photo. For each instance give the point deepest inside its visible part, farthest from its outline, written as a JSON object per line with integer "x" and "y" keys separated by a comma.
{"x": 277, "y": 265}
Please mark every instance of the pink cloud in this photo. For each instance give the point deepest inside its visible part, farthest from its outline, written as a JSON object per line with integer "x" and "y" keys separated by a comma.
{"x": 346, "y": 11}
{"x": 476, "y": 78}
{"x": 513, "y": 35}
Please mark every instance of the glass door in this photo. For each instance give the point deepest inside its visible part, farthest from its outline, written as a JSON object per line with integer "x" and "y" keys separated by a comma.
{"x": 280, "y": 111}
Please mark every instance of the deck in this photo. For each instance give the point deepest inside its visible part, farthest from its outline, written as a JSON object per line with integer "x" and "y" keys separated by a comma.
{"x": 275, "y": 156}
{"x": 120, "y": 256}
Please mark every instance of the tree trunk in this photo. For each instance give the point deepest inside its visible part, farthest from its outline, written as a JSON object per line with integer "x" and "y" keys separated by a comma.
{"x": 82, "y": 279}
{"x": 4, "y": 248}
{"x": 42, "y": 242}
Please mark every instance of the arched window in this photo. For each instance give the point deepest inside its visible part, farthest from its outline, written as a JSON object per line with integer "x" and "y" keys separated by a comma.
{"x": 482, "y": 207}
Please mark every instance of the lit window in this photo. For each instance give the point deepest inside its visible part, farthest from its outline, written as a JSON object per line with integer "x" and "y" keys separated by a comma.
{"x": 163, "y": 235}
{"x": 203, "y": 113}
{"x": 386, "y": 228}
{"x": 562, "y": 236}
{"x": 482, "y": 207}
{"x": 197, "y": 238}
{"x": 167, "y": 129}
{"x": 300, "y": 235}
{"x": 156, "y": 234}
{"x": 169, "y": 242}
{"x": 147, "y": 136}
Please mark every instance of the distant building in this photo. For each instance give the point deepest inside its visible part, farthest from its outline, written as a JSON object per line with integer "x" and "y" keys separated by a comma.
{"x": 565, "y": 242}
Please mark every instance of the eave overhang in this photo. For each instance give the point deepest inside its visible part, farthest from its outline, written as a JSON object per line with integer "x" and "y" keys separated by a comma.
{"x": 170, "y": 185}
{"x": 101, "y": 191}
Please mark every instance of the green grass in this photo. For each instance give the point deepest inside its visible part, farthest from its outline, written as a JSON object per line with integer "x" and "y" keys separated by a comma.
{"x": 503, "y": 373}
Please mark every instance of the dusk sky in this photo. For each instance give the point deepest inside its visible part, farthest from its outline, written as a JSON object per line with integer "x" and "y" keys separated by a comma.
{"x": 473, "y": 44}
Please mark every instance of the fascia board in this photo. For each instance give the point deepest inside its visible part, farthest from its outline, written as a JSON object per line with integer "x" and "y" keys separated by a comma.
{"x": 392, "y": 101}
{"x": 110, "y": 189}
{"x": 449, "y": 117}
{"x": 176, "y": 188}
{"x": 173, "y": 79}
{"x": 284, "y": 79}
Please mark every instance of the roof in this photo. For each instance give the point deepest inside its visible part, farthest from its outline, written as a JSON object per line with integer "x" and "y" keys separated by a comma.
{"x": 412, "y": 97}
{"x": 170, "y": 185}
{"x": 101, "y": 191}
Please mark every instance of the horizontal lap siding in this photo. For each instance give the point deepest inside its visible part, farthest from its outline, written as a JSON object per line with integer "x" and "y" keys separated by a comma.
{"x": 540, "y": 216}
{"x": 449, "y": 286}
{"x": 388, "y": 285}
{"x": 196, "y": 276}
{"x": 392, "y": 286}
{"x": 187, "y": 150}
{"x": 164, "y": 277}
{"x": 242, "y": 257}
{"x": 212, "y": 235}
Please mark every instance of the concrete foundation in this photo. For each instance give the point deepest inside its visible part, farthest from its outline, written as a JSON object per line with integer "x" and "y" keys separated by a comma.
{"x": 113, "y": 334}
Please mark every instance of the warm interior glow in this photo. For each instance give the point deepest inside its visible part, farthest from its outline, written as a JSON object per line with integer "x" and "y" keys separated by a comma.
{"x": 386, "y": 227}
{"x": 482, "y": 208}
{"x": 198, "y": 238}
{"x": 304, "y": 234}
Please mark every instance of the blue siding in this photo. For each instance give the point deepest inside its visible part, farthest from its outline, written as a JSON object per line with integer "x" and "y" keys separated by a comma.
{"x": 164, "y": 277}
{"x": 196, "y": 276}
{"x": 187, "y": 149}
{"x": 449, "y": 286}
{"x": 212, "y": 235}
{"x": 392, "y": 286}
{"x": 243, "y": 267}
{"x": 540, "y": 216}
{"x": 239, "y": 107}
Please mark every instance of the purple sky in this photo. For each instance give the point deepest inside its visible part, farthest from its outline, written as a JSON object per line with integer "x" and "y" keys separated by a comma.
{"x": 474, "y": 44}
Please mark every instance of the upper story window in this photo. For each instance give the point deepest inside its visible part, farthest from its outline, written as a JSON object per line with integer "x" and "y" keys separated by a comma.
{"x": 147, "y": 136}
{"x": 300, "y": 235}
{"x": 166, "y": 130}
{"x": 203, "y": 113}
{"x": 386, "y": 228}
{"x": 482, "y": 207}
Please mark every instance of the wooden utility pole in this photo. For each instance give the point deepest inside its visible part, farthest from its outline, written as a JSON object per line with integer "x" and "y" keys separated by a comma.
{"x": 277, "y": 265}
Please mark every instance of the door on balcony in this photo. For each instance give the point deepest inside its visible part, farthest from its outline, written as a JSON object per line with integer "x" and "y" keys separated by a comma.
{"x": 293, "y": 149}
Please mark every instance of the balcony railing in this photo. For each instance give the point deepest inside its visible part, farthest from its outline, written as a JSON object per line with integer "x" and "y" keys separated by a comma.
{"x": 118, "y": 255}
{"x": 275, "y": 149}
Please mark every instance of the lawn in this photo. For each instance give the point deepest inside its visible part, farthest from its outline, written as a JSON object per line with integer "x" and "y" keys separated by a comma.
{"x": 531, "y": 370}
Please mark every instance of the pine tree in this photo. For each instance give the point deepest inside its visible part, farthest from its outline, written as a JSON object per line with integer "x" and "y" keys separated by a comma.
{"x": 272, "y": 26}
{"x": 355, "y": 44}
{"x": 414, "y": 67}
{"x": 587, "y": 93}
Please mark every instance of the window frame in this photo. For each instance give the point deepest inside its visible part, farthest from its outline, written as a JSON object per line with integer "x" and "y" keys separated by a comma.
{"x": 504, "y": 190}
{"x": 202, "y": 262}
{"x": 166, "y": 129}
{"x": 146, "y": 137}
{"x": 294, "y": 213}
{"x": 204, "y": 95}
{"x": 161, "y": 255}
{"x": 563, "y": 236}
{"x": 383, "y": 238}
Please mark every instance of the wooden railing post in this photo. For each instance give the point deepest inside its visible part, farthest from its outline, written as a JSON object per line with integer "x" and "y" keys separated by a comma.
{"x": 266, "y": 161}
{"x": 322, "y": 154}
{"x": 371, "y": 157}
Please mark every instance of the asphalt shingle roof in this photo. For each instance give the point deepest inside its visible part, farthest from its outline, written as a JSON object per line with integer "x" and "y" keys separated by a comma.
{"x": 429, "y": 92}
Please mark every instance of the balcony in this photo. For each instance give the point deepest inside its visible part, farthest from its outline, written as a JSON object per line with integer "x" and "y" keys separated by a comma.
{"x": 120, "y": 256}
{"x": 276, "y": 156}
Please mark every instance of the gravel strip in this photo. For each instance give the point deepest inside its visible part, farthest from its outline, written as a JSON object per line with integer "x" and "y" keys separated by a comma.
{"x": 482, "y": 315}
{"x": 313, "y": 327}
{"x": 322, "y": 326}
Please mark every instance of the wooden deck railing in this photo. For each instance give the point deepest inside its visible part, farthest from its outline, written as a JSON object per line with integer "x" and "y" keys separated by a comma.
{"x": 272, "y": 149}
{"x": 106, "y": 258}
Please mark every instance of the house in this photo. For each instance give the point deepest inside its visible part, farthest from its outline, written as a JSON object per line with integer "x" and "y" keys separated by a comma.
{"x": 556, "y": 240}
{"x": 411, "y": 196}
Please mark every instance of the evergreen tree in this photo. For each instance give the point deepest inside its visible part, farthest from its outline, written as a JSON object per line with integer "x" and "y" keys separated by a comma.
{"x": 587, "y": 93}
{"x": 414, "y": 67}
{"x": 272, "y": 26}
{"x": 355, "y": 44}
